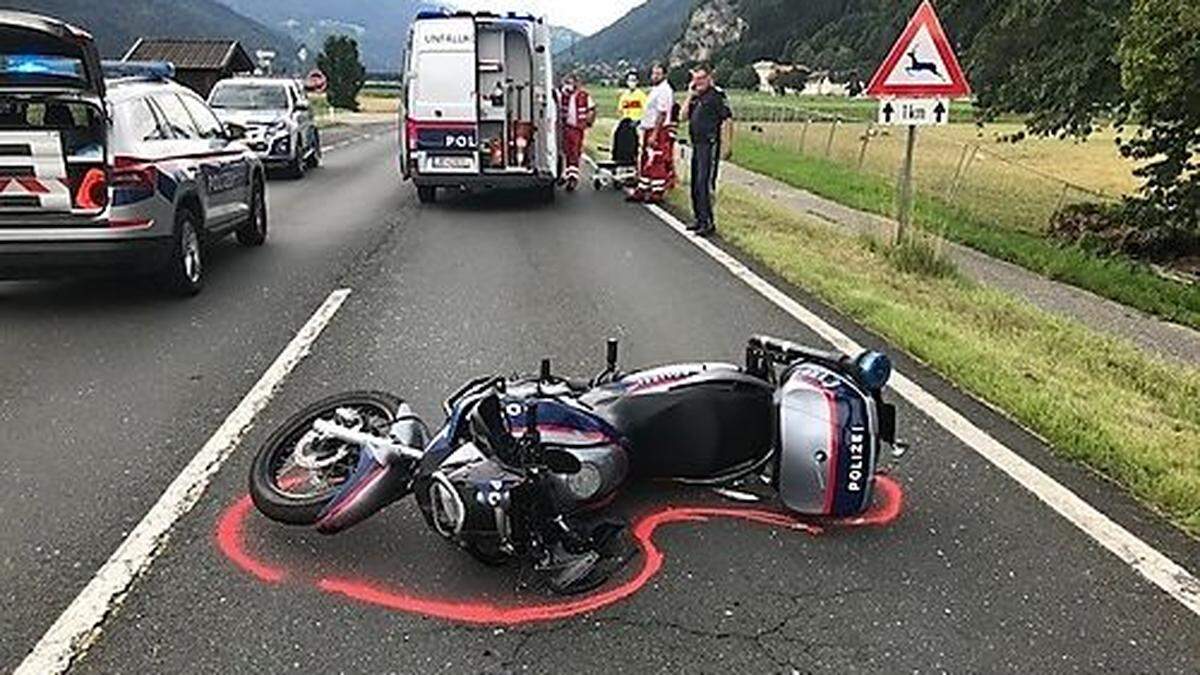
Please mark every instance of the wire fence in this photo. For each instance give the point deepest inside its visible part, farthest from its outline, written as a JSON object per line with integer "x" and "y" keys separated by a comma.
{"x": 972, "y": 176}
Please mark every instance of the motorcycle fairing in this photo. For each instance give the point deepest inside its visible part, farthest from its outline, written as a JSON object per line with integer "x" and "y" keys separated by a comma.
{"x": 829, "y": 442}
{"x": 371, "y": 487}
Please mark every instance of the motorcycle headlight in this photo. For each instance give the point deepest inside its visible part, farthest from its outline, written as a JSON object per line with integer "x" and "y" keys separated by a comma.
{"x": 587, "y": 483}
{"x": 448, "y": 511}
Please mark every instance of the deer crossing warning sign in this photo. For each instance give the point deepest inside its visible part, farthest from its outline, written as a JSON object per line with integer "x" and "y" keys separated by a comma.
{"x": 920, "y": 74}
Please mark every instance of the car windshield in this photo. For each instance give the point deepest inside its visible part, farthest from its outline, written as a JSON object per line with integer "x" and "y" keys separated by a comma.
{"x": 249, "y": 97}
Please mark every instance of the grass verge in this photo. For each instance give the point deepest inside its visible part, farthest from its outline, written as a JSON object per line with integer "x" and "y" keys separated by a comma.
{"x": 1097, "y": 400}
{"x": 1113, "y": 277}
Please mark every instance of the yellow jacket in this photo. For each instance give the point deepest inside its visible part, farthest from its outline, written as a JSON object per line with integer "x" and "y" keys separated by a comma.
{"x": 632, "y": 105}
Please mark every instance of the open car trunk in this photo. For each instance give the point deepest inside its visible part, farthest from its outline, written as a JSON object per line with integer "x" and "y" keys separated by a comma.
{"x": 53, "y": 129}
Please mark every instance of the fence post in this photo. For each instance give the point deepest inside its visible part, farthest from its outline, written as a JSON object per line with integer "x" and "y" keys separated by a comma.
{"x": 804, "y": 133}
{"x": 1062, "y": 199}
{"x": 862, "y": 152}
{"x": 958, "y": 168}
{"x": 962, "y": 170}
{"x": 832, "y": 130}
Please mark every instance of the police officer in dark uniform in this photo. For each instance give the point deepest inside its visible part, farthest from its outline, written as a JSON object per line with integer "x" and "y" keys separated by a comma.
{"x": 707, "y": 112}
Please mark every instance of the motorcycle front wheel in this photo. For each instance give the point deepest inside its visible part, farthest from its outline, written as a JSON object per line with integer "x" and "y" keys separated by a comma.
{"x": 296, "y": 473}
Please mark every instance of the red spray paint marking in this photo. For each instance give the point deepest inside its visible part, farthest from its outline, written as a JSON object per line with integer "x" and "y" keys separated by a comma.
{"x": 889, "y": 502}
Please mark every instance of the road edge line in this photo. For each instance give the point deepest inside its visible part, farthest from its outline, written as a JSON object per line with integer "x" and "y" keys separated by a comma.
{"x": 77, "y": 628}
{"x": 1151, "y": 564}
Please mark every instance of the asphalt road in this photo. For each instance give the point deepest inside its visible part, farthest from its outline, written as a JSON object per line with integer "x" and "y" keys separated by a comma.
{"x": 109, "y": 390}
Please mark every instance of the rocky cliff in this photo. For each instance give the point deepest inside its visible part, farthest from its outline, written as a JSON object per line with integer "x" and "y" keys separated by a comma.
{"x": 713, "y": 25}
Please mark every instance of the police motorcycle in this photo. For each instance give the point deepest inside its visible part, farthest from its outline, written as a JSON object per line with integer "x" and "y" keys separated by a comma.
{"x": 523, "y": 466}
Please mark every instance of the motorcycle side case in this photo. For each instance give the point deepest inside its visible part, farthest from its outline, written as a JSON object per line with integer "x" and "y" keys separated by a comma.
{"x": 829, "y": 443}
{"x": 701, "y": 422}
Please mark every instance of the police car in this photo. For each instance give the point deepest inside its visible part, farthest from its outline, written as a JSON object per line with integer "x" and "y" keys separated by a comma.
{"x": 129, "y": 172}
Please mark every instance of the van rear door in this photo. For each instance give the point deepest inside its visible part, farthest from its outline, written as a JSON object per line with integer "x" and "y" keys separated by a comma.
{"x": 443, "y": 106}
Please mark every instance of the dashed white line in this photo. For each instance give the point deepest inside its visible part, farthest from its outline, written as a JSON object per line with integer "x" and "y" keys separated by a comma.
{"x": 1156, "y": 567}
{"x": 79, "y": 625}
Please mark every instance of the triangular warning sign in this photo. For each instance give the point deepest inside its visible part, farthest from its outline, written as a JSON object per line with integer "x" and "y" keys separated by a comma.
{"x": 922, "y": 62}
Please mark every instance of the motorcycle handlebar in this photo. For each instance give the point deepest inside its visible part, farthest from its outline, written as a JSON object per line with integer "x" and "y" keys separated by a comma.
{"x": 788, "y": 351}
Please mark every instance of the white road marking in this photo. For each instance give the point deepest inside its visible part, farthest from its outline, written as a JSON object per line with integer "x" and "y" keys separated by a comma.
{"x": 79, "y": 625}
{"x": 1149, "y": 562}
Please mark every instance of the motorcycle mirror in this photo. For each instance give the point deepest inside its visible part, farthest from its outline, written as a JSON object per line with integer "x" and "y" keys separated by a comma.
{"x": 562, "y": 462}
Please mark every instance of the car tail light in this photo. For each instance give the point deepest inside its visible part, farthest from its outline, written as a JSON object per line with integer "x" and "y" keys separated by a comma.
{"x": 134, "y": 176}
{"x": 92, "y": 193}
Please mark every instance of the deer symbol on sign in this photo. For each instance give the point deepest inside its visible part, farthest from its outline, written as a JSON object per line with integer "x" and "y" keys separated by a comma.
{"x": 918, "y": 66}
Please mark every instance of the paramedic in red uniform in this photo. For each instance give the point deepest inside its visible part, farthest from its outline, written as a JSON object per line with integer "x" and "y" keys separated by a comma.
{"x": 577, "y": 112}
{"x": 656, "y": 171}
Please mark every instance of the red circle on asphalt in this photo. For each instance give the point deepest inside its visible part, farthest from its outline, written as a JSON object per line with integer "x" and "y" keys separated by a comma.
{"x": 230, "y": 536}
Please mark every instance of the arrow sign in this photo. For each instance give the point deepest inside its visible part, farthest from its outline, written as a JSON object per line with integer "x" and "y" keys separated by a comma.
{"x": 921, "y": 63}
{"x": 917, "y": 112}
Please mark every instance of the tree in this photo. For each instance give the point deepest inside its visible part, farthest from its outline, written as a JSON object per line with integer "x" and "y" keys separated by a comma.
{"x": 343, "y": 69}
{"x": 1131, "y": 62}
{"x": 1160, "y": 76}
{"x": 795, "y": 79}
{"x": 744, "y": 78}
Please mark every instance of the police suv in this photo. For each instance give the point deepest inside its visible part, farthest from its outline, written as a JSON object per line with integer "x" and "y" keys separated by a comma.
{"x": 129, "y": 173}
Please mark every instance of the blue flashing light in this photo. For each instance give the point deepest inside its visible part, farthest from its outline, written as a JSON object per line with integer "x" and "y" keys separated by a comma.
{"x": 147, "y": 70}
{"x": 874, "y": 370}
{"x": 41, "y": 64}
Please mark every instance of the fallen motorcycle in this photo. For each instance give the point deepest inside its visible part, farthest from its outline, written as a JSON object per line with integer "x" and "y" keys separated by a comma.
{"x": 523, "y": 466}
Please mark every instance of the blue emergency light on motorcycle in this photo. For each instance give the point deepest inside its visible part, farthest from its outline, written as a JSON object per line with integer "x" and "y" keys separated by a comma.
{"x": 874, "y": 370}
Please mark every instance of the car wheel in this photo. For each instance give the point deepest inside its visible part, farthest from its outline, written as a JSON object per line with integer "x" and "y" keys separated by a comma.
{"x": 427, "y": 194}
{"x": 314, "y": 160}
{"x": 184, "y": 273}
{"x": 254, "y": 231}
{"x": 299, "y": 164}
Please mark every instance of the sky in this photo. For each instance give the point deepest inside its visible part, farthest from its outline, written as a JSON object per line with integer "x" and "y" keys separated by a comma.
{"x": 584, "y": 16}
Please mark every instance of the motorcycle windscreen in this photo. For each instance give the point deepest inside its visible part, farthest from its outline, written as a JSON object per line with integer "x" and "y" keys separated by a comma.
{"x": 828, "y": 436}
{"x": 371, "y": 488}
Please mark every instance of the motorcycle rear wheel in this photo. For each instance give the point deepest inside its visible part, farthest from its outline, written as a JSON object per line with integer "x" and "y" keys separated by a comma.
{"x": 296, "y": 495}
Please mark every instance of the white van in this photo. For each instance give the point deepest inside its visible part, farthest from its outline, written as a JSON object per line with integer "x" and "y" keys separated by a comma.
{"x": 479, "y": 104}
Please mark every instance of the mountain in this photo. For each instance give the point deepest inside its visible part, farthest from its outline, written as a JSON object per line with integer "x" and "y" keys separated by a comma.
{"x": 117, "y": 24}
{"x": 644, "y": 34}
{"x": 380, "y": 26}
{"x": 562, "y": 39}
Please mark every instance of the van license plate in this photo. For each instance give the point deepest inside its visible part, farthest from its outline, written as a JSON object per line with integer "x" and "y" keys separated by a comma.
{"x": 452, "y": 162}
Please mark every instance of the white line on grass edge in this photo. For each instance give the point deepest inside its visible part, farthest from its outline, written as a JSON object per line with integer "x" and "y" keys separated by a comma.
{"x": 79, "y": 625}
{"x": 1151, "y": 564}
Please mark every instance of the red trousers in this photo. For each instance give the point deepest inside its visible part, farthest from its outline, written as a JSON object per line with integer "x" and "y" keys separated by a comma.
{"x": 657, "y": 169}
{"x": 572, "y": 152}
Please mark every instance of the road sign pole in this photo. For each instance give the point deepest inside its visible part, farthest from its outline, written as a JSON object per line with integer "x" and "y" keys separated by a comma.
{"x": 904, "y": 222}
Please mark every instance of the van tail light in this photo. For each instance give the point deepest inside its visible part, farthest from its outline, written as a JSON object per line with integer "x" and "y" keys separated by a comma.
{"x": 410, "y": 133}
{"x": 92, "y": 193}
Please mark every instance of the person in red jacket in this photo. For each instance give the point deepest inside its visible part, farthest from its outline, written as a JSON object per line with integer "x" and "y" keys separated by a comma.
{"x": 577, "y": 113}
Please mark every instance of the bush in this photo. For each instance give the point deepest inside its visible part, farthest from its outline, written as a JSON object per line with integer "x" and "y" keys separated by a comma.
{"x": 1134, "y": 228}
{"x": 917, "y": 254}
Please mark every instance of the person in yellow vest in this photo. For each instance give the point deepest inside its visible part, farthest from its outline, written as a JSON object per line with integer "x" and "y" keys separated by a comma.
{"x": 632, "y": 104}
